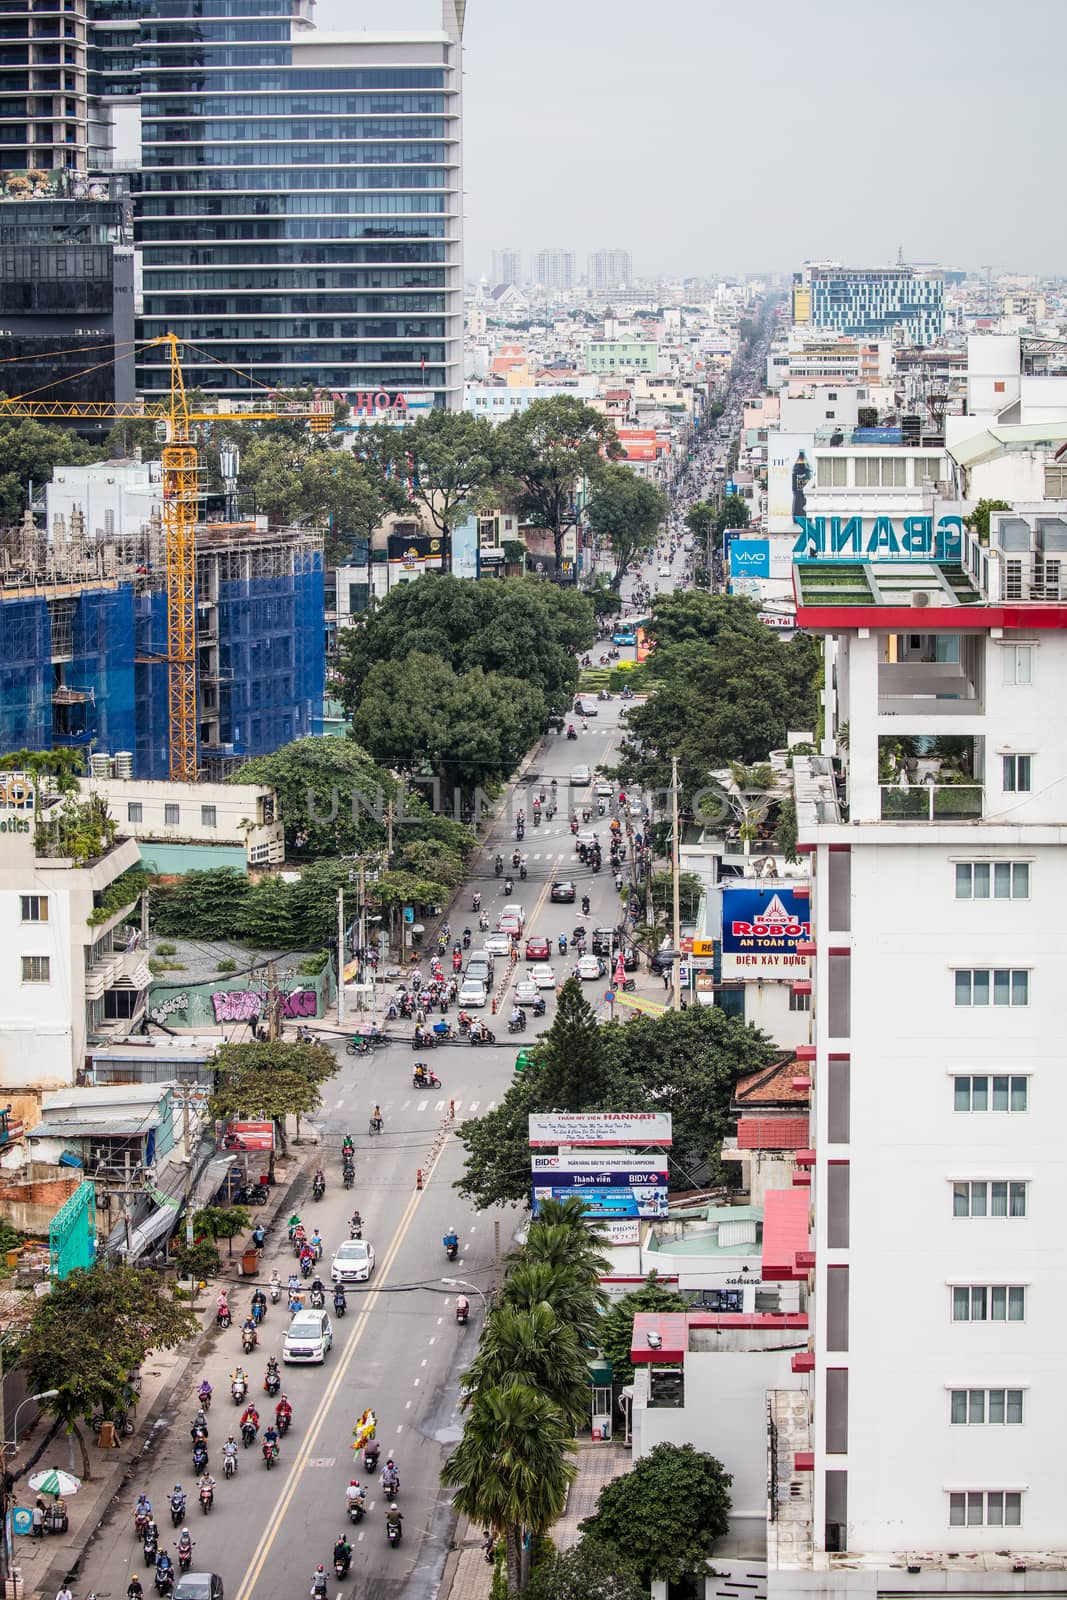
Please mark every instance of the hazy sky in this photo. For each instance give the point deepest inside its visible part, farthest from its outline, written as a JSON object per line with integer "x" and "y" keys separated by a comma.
{"x": 711, "y": 136}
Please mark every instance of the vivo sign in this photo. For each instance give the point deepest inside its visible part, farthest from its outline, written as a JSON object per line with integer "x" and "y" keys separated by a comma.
{"x": 750, "y": 558}
{"x": 871, "y": 537}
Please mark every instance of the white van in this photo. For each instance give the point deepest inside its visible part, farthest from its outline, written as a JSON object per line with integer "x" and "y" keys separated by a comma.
{"x": 580, "y": 776}
{"x": 308, "y": 1336}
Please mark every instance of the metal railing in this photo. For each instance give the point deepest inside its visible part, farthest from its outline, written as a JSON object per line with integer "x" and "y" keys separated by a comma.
{"x": 933, "y": 802}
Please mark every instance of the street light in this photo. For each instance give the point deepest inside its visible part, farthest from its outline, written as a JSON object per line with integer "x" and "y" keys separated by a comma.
{"x": 45, "y": 1394}
{"x": 461, "y": 1283}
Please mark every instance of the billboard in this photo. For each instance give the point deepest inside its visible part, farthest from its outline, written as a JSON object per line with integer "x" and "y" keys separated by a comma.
{"x": 643, "y": 1178}
{"x": 761, "y": 928}
{"x": 599, "y": 1162}
{"x": 750, "y": 558}
{"x": 789, "y": 472}
{"x": 645, "y": 1201}
{"x": 249, "y": 1136}
{"x": 866, "y": 536}
{"x": 600, "y": 1128}
{"x": 621, "y": 1230}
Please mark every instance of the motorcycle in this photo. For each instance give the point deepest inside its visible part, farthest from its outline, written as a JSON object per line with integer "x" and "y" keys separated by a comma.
{"x": 562, "y": 942}
{"x": 248, "y": 1340}
{"x": 539, "y": 1007}
{"x": 340, "y": 1302}
{"x": 207, "y": 1497}
{"x": 185, "y": 1556}
{"x": 348, "y": 1176}
{"x": 204, "y": 1396}
{"x": 498, "y": 865}
{"x": 517, "y": 1024}
{"x": 198, "y": 1425}
{"x": 282, "y": 1424}
{"x": 273, "y": 1381}
{"x": 306, "y": 1264}
{"x": 476, "y": 903}
{"x": 223, "y": 1317}
{"x": 462, "y": 1313}
{"x": 370, "y": 1456}
{"x": 270, "y": 1452}
{"x": 318, "y": 1299}
{"x": 452, "y": 1251}
{"x": 466, "y": 938}
{"x": 537, "y": 819}
{"x": 425, "y": 1080}
{"x": 164, "y": 1580}
{"x": 522, "y": 871}
{"x": 355, "y": 1230}
{"x": 586, "y": 903}
{"x": 571, "y": 734}
{"x": 141, "y": 1519}
{"x": 229, "y": 1465}
{"x": 488, "y": 1037}
{"x": 199, "y": 1458}
{"x": 177, "y": 1509}
{"x": 356, "y": 1510}
{"x": 151, "y": 1547}
{"x": 248, "y": 1433}
{"x": 275, "y": 1292}
{"x": 392, "y": 1530}
{"x": 318, "y": 1188}
{"x": 357, "y": 1047}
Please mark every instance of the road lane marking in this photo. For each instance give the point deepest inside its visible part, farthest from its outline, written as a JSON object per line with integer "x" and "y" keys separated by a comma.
{"x": 277, "y": 1516}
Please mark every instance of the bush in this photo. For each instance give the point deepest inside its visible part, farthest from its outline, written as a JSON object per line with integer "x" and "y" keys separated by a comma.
{"x": 227, "y": 965}
{"x": 311, "y": 966}
{"x": 197, "y": 1260}
{"x": 166, "y": 949}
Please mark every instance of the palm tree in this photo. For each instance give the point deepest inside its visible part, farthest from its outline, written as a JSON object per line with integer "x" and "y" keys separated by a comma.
{"x": 561, "y": 1244}
{"x": 574, "y": 1301}
{"x": 532, "y": 1347}
{"x": 511, "y": 1469}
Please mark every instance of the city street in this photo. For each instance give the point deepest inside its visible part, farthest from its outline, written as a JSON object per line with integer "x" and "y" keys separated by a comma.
{"x": 399, "y": 1348}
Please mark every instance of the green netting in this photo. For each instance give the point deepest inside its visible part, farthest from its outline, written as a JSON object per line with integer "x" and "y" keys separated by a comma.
{"x": 72, "y": 1233}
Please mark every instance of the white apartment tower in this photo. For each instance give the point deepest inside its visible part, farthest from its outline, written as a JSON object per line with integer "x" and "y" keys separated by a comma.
{"x": 507, "y": 267}
{"x": 610, "y": 269}
{"x": 554, "y": 270}
{"x": 923, "y": 1454}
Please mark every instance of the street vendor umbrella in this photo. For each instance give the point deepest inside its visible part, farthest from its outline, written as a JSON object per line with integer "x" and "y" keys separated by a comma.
{"x": 53, "y": 1481}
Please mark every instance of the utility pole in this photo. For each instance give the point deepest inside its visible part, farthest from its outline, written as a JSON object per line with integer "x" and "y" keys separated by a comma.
{"x": 676, "y": 886}
{"x": 187, "y": 1147}
{"x": 341, "y": 957}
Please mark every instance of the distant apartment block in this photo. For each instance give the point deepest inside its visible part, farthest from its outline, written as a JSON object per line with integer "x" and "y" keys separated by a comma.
{"x": 610, "y": 269}
{"x": 554, "y": 269}
{"x": 902, "y": 303}
{"x": 507, "y": 267}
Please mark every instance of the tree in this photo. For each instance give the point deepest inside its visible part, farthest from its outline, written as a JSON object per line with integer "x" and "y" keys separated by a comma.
{"x": 979, "y": 518}
{"x": 570, "y": 1061}
{"x": 496, "y": 1166}
{"x": 616, "y": 1331}
{"x": 332, "y": 798}
{"x": 589, "y": 1571}
{"x": 664, "y": 1515}
{"x": 90, "y": 1332}
{"x": 448, "y": 458}
{"x": 700, "y": 519}
{"x": 221, "y": 1222}
{"x": 272, "y": 1080}
{"x": 564, "y": 1235}
{"x": 734, "y": 514}
{"x": 202, "y": 905}
{"x": 547, "y": 450}
{"x": 575, "y": 1302}
{"x": 535, "y": 1347}
{"x": 606, "y": 602}
{"x": 511, "y": 1469}
{"x": 627, "y": 512}
{"x": 29, "y": 451}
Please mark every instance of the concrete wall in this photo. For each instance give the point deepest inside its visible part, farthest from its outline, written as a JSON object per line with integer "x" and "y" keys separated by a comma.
{"x": 237, "y": 999}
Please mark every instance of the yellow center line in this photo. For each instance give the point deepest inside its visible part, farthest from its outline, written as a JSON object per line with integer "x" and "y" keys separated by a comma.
{"x": 274, "y": 1523}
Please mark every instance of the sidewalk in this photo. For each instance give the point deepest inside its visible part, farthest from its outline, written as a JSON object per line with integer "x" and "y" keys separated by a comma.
{"x": 471, "y": 1575}
{"x": 44, "y": 1563}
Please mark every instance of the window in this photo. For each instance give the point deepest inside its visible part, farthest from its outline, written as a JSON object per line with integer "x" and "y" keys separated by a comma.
{"x": 134, "y": 811}
{"x": 36, "y": 969}
{"x": 996, "y": 1302}
{"x": 1016, "y": 774}
{"x": 985, "y": 1508}
{"x": 979, "y": 1406}
{"x": 1017, "y": 664}
{"x": 799, "y": 1002}
{"x": 1056, "y": 483}
{"x": 33, "y": 907}
{"x": 207, "y": 817}
{"x": 926, "y": 467}
{"x": 999, "y": 880}
{"x": 832, "y": 472}
{"x": 881, "y": 472}
{"x": 993, "y": 1198}
{"x": 172, "y": 815}
{"x": 997, "y": 1093}
{"x": 1006, "y": 986}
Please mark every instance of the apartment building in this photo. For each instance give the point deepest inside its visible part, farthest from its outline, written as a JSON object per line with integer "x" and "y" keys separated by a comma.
{"x": 553, "y": 270}
{"x": 916, "y": 1450}
{"x": 899, "y": 302}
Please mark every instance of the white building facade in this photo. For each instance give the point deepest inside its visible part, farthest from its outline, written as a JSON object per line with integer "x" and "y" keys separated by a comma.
{"x": 939, "y": 1284}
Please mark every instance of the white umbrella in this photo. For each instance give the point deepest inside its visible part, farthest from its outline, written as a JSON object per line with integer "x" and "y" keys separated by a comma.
{"x": 54, "y": 1481}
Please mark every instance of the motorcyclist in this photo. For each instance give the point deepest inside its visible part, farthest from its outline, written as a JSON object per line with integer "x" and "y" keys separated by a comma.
{"x": 342, "y": 1552}
{"x": 395, "y": 1518}
{"x": 318, "y": 1183}
{"x": 230, "y": 1451}
{"x": 134, "y": 1591}
{"x": 164, "y": 1565}
{"x": 451, "y": 1241}
{"x": 508, "y": 886}
{"x": 251, "y": 1415}
{"x": 355, "y": 1224}
{"x": 185, "y": 1543}
{"x": 259, "y": 1299}
{"x": 376, "y": 1118}
{"x": 463, "y": 1307}
{"x": 142, "y": 1511}
{"x": 204, "y": 1394}
{"x": 318, "y": 1581}
{"x": 238, "y": 1376}
{"x": 206, "y": 1481}
{"x": 390, "y": 1476}
{"x": 355, "y": 1494}
{"x": 340, "y": 1299}
{"x": 476, "y": 904}
{"x": 316, "y": 1244}
{"x": 177, "y": 1497}
{"x": 318, "y": 1291}
{"x": 283, "y": 1411}
{"x": 270, "y": 1437}
{"x": 249, "y": 1331}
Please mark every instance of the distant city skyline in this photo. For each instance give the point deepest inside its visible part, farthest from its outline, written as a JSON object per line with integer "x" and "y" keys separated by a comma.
{"x": 707, "y": 147}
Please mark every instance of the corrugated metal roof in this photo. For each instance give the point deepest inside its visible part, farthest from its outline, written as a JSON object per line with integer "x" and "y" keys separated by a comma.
{"x": 772, "y": 1133}
{"x": 86, "y": 1128}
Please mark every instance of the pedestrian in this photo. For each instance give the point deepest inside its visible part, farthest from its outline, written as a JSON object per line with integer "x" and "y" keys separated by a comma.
{"x": 37, "y": 1528}
{"x": 667, "y": 978}
{"x": 64, "y": 1592}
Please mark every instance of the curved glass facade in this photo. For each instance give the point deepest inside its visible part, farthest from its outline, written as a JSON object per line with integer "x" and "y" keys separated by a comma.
{"x": 299, "y": 186}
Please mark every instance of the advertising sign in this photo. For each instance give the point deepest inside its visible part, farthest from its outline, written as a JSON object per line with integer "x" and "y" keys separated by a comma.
{"x": 465, "y": 549}
{"x": 640, "y": 1202}
{"x": 642, "y": 1177}
{"x": 601, "y": 1161}
{"x": 414, "y": 552}
{"x": 249, "y": 1136}
{"x": 789, "y": 471}
{"x": 600, "y": 1128}
{"x": 16, "y": 791}
{"x": 870, "y": 538}
{"x": 761, "y": 929}
{"x": 648, "y": 1008}
{"x": 750, "y": 558}
{"x": 620, "y": 1230}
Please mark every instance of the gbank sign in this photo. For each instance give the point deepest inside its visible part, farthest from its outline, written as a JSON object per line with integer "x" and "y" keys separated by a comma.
{"x": 870, "y": 538}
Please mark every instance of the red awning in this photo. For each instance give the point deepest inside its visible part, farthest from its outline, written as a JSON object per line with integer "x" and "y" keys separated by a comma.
{"x": 670, "y": 1337}
{"x": 785, "y": 1233}
{"x": 772, "y": 1133}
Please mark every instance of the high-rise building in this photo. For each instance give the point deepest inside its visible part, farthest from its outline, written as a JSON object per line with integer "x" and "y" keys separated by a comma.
{"x": 554, "y": 269}
{"x": 301, "y": 200}
{"x": 507, "y": 267}
{"x": 935, "y": 829}
{"x": 610, "y": 269}
{"x": 902, "y": 303}
{"x": 44, "y": 94}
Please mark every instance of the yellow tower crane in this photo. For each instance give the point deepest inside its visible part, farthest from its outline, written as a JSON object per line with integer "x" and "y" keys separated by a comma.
{"x": 180, "y": 459}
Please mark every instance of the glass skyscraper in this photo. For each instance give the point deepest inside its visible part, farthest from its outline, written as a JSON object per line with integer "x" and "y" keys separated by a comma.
{"x": 299, "y": 212}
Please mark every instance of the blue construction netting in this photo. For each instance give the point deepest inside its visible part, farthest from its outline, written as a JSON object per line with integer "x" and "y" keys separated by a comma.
{"x": 25, "y": 675}
{"x": 151, "y": 750}
{"x": 272, "y": 657}
{"x": 102, "y": 667}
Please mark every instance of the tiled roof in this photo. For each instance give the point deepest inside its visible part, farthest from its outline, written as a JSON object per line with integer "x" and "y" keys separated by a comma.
{"x": 772, "y": 1133}
{"x": 771, "y": 1086}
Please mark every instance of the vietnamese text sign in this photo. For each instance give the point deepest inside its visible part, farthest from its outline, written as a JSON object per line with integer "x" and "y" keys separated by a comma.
{"x": 636, "y": 1002}
{"x": 649, "y": 1201}
{"x": 703, "y": 947}
{"x": 250, "y": 1136}
{"x": 620, "y": 1230}
{"x": 600, "y": 1128}
{"x": 761, "y": 929}
{"x": 598, "y": 1161}
{"x": 641, "y": 1177}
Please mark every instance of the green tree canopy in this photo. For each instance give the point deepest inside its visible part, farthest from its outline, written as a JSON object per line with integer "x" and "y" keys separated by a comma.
{"x": 626, "y": 511}
{"x": 221, "y": 1222}
{"x": 448, "y": 459}
{"x": 91, "y": 1331}
{"x": 272, "y": 1080}
{"x": 664, "y": 1516}
{"x": 331, "y": 796}
{"x": 29, "y": 450}
{"x": 546, "y": 451}
{"x": 535, "y": 1347}
{"x": 700, "y": 518}
{"x": 734, "y": 514}
{"x": 589, "y": 1571}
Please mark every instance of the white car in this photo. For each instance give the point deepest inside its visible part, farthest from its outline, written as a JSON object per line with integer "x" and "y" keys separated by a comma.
{"x": 664, "y": 571}
{"x": 584, "y": 836}
{"x": 543, "y": 976}
{"x": 353, "y": 1262}
{"x": 472, "y": 993}
{"x": 498, "y": 944}
{"x": 590, "y": 967}
{"x": 525, "y": 992}
{"x": 308, "y": 1337}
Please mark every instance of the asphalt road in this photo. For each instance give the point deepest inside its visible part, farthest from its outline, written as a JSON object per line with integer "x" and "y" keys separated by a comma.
{"x": 399, "y": 1348}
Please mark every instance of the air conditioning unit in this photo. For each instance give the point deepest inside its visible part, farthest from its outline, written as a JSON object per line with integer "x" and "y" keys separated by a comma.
{"x": 920, "y": 598}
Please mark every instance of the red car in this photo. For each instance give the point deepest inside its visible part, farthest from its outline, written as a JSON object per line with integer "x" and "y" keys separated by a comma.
{"x": 538, "y": 950}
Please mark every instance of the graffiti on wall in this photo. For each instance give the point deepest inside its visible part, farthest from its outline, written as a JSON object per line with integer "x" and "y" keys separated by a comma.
{"x": 247, "y": 1005}
{"x": 167, "y": 1008}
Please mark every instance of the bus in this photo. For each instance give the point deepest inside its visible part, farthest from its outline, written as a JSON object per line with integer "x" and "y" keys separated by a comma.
{"x": 625, "y": 633}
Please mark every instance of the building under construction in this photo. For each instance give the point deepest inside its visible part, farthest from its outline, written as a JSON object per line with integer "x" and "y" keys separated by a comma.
{"x": 83, "y": 641}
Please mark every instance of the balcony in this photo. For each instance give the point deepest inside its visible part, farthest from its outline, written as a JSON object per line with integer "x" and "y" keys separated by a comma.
{"x": 932, "y": 802}
{"x": 926, "y": 688}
